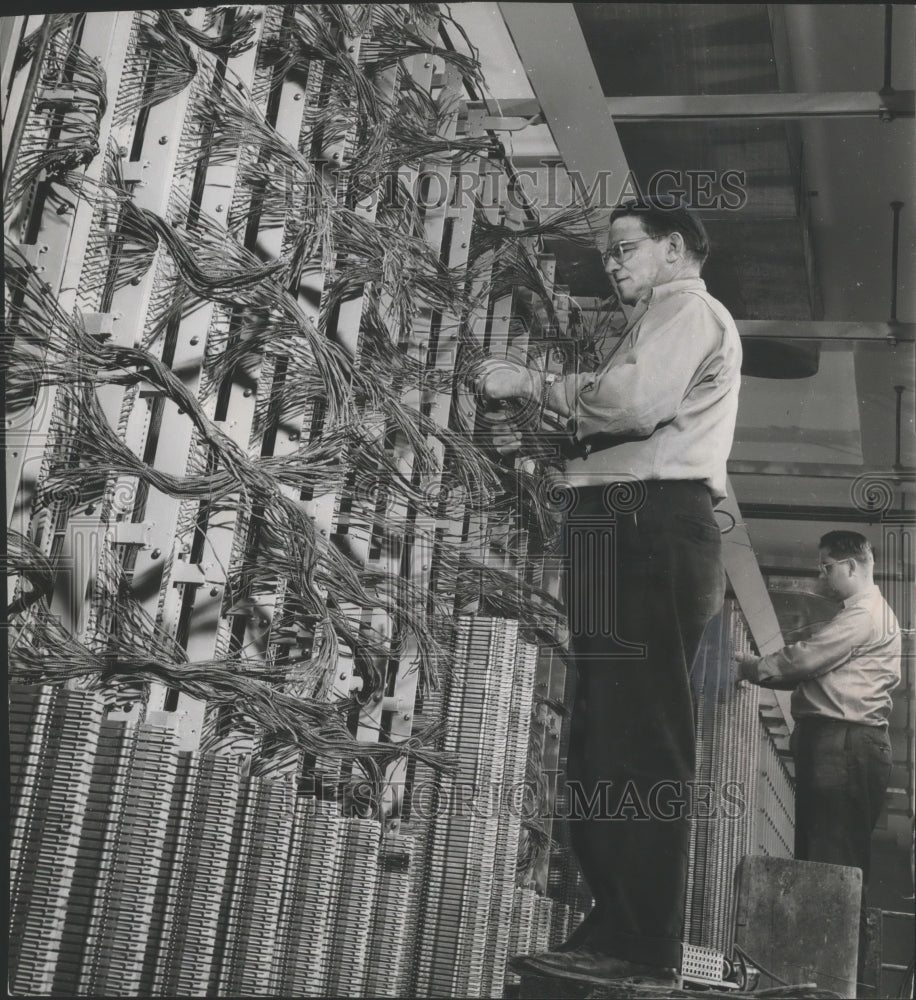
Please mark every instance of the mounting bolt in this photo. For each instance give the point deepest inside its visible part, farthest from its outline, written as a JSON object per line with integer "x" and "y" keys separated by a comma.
{"x": 155, "y": 554}
{"x": 195, "y": 341}
{"x": 214, "y": 591}
{"x": 297, "y": 96}
{"x": 163, "y": 139}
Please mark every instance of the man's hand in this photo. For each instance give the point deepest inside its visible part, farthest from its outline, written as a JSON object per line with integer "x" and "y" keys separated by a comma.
{"x": 744, "y": 666}
{"x": 508, "y": 442}
{"x": 499, "y": 379}
{"x": 506, "y": 437}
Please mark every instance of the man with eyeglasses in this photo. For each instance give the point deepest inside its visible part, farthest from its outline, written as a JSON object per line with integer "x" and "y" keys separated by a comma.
{"x": 841, "y": 678}
{"x": 651, "y": 430}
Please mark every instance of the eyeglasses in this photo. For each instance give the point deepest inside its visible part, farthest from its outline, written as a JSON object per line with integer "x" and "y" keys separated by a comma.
{"x": 825, "y": 567}
{"x": 617, "y": 251}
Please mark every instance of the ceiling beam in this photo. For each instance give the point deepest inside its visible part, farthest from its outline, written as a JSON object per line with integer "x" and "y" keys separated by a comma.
{"x": 780, "y": 329}
{"x": 840, "y": 515}
{"x": 568, "y": 93}
{"x": 768, "y": 107}
{"x": 804, "y": 470}
{"x": 775, "y": 106}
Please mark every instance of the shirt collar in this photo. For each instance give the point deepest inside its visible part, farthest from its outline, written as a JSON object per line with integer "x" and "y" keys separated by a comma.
{"x": 862, "y": 596}
{"x": 667, "y": 288}
{"x": 658, "y": 294}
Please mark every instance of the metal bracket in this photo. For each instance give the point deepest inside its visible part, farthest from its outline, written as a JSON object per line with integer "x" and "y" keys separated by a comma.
{"x": 132, "y": 171}
{"x": 98, "y": 324}
{"x": 185, "y": 572}
{"x": 132, "y": 533}
{"x": 502, "y": 116}
{"x": 210, "y": 573}
{"x": 479, "y": 123}
{"x": 29, "y": 253}
{"x": 56, "y": 95}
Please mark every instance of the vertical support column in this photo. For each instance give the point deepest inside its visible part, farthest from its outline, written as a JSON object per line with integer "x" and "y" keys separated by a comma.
{"x": 194, "y": 570}
{"x": 57, "y": 256}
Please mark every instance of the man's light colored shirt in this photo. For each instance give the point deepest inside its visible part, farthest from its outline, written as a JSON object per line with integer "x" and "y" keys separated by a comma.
{"x": 847, "y": 669}
{"x": 666, "y": 400}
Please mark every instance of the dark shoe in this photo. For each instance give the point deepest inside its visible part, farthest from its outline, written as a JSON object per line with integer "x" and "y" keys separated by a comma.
{"x": 580, "y": 937}
{"x": 588, "y": 966}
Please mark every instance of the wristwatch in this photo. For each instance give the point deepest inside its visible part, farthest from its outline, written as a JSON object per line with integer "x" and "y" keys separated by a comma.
{"x": 549, "y": 379}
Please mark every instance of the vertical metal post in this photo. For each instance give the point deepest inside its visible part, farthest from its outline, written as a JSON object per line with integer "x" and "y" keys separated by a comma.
{"x": 896, "y": 207}
{"x": 888, "y": 45}
{"x": 22, "y": 115}
{"x": 899, "y": 390}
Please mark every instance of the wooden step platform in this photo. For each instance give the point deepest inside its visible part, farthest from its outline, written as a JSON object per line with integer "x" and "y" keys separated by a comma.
{"x": 550, "y": 988}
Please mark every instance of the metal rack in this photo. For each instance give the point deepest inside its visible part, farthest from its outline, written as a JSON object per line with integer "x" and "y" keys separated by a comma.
{"x": 132, "y": 251}
{"x": 228, "y": 798}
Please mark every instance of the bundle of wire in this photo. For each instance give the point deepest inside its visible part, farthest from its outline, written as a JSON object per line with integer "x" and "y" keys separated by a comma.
{"x": 401, "y": 471}
{"x": 63, "y": 134}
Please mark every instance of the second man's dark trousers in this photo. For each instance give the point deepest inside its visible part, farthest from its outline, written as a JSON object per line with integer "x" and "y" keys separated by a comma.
{"x": 645, "y": 576}
{"x": 841, "y": 774}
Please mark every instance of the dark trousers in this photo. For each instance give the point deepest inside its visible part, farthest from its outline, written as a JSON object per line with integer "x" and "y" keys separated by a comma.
{"x": 841, "y": 775}
{"x": 645, "y": 576}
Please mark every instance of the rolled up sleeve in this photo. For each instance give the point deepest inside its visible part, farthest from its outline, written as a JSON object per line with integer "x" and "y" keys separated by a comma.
{"x": 828, "y": 649}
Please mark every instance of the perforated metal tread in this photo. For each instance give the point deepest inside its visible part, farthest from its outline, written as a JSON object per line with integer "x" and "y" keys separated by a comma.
{"x": 544, "y": 988}
{"x": 705, "y": 965}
